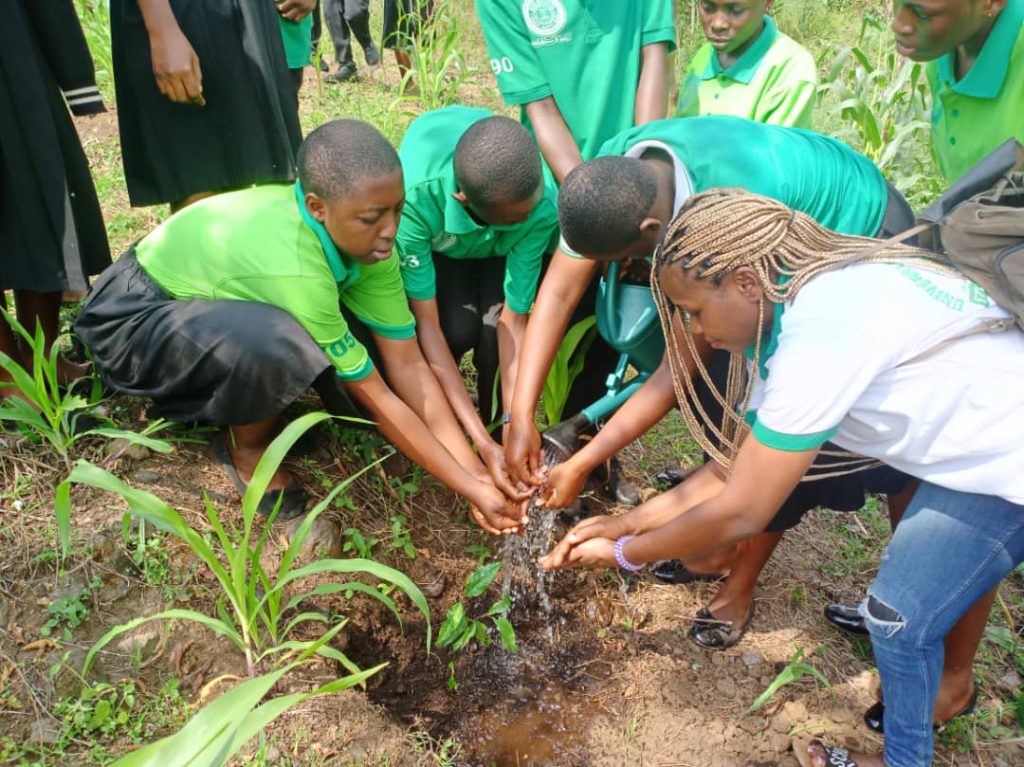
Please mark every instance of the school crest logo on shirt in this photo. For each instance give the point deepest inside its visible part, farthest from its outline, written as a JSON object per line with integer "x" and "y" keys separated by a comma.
{"x": 544, "y": 18}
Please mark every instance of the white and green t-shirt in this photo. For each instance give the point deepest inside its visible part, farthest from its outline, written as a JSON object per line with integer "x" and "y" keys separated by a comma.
{"x": 840, "y": 364}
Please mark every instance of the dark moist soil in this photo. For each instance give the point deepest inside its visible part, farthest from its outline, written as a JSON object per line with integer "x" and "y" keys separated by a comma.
{"x": 610, "y": 678}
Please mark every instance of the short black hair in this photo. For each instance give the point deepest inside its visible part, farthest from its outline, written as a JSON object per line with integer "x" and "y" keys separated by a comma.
{"x": 339, "y": 154}
{"x": 603, "y": 202}
{"x": 496, "y": 161}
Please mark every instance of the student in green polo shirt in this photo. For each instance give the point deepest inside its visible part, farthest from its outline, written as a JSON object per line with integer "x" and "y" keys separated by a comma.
{"x": 229, "y": 310}
{"x": 580, "y": 71}
{"x": 618, "y": 206}
{"x": 748, "y": 68}
{"x": 480, "y": 214}
{"x": 975, "y": 55}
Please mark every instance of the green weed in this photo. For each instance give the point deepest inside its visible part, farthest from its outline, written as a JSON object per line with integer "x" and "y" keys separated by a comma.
{"x": 356, "y": 542}
{"x": 252, "y": 612}
{"x": 438, "y": 67}
{"x": 459, "y": 629}
{"x": 795, "y": 670}
{"x": 401, "y": 536}
{"x": 566, "y": 368}
{"x": 58, "y": 416}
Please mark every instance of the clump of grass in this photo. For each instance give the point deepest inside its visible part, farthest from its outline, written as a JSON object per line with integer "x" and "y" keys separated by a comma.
{"x": 59, "y": 416}
{"x": 253, "y": 613}
{"x": 438, "y": 67}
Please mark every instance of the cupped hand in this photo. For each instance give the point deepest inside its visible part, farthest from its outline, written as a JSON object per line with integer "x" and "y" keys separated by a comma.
{"x": 608, "y": 527}
{"x": 295, "y": 10}
{"x": 176, "y": 68}
{"x": 562, "y": 487}
{"x": 494, "y": 512}
{"x": 494, "y": 459}
{"x": 522, "y": 452}
{"x": 594, "y": 552}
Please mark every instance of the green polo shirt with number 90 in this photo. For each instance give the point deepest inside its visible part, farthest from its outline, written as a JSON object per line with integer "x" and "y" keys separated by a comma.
{"x": 972, "y": 116}
{"x": 260, "y": 244}
{"x": 435, "y": 222}
{"x": 773, "y": 81}
{"x": 583, "y": 53}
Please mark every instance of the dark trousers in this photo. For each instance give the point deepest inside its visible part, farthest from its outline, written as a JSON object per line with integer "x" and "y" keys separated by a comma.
{"x": 318, "y": 29}
{"x": 342, "y": 18}
{"x": 470, "y": 299}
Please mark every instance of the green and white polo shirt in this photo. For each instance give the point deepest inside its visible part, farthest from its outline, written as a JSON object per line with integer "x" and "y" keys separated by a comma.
{"x": 773, "y": 81}
{"x": 260, "y": 244}
{"x": 972, "y": 116}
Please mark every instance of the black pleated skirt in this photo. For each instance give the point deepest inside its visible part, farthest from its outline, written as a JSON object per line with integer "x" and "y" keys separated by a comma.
{"x": 247, "y": 133}
{"x": 51, "y": 230}
{"x": 215, "y": 362}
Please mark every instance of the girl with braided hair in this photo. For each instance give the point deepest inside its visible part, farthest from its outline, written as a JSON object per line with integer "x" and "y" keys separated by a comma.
{"x": 870, "y": 347}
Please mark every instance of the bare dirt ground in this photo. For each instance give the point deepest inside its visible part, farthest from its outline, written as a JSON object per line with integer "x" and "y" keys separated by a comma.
{"x": 610, "y": 678}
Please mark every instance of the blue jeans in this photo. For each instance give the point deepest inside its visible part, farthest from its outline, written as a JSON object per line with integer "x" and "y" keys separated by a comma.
{"x": 949, "y": 550}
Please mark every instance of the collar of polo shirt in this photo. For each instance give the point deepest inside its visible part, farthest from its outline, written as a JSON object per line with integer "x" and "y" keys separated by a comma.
{"x": 985, "y": 79}
{"x": 743, "y": 69}
{"x": 343, "y": 268}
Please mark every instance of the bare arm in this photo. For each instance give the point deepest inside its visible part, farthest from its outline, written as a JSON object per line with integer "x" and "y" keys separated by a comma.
{"x": 641, "y": 411}
{"x": 563, "y": 286}
{"x": 442, "y": 364}
{"x": 511, "y": 331}
{"x": 652, "y": 87}
{"x": 761, "y": 480}
{"x": 439, "y": 357}
{"x": 415, "y": 384}
{"x": 408, "y": 432}
{"x": 702, "y": 514}
{"x": 175, "y": 64}
{"x": 553, "y": 137}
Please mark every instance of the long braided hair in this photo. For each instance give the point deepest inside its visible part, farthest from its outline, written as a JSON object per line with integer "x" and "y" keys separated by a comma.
{"x": 719, "y": 231}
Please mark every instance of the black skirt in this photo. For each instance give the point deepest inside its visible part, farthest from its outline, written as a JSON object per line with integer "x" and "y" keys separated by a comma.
{"x": 51, "y": 230}
{"x": 247, "y": 133}
{"x": 216, "y": 362}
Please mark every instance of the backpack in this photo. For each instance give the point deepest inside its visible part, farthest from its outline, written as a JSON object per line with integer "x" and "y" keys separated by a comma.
{"x": 978, "y": 227}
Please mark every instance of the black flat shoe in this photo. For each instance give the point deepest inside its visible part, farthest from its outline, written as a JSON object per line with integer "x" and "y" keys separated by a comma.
{"x": 675, "y": 572}
{"x": 293, "y": 498}
{"x": 846, "y": 617}
{"x": 874, "y": 717}
{"x": 708, "y": 631}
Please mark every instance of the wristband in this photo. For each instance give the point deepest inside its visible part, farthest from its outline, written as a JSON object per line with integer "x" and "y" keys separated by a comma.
{"x": 620, "y": 556}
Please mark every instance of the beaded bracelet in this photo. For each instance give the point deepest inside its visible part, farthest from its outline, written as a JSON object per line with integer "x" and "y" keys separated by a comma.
{"x": 620, "y": 556}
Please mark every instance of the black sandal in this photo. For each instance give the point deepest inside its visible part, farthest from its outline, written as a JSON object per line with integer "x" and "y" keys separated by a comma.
{"x": 293, "y": 498}
{"x": 836, "y": 757}
{"x": 675, "y": 572}
{"x": 708, "y": 631}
